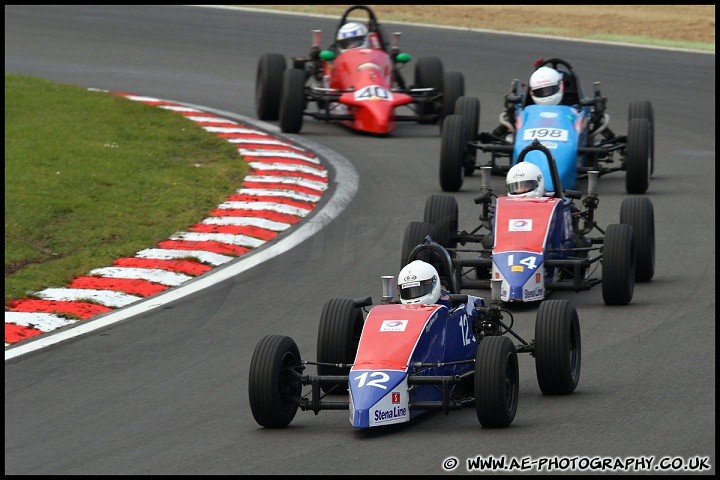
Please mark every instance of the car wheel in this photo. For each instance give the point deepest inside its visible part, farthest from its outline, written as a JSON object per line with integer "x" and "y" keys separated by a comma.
{"x": 497, "y": 382}
{"x": 637, "y": 156}
{"x": 268, "y": 86}
{"x": 557, "y": 347}
{"x": 429, "y": 74}
{"x": 644, "y": 109}
{"x": 415, "y": 234}
{"x": 639, "y": 212}
{"x": 441, "y": 211}
{"x": 274, "y": 384}
{"x": 453, "y": 88}
{"x": 618, "y": 265}
{"x": 453, "y": 144}
{"x": 469, "y": 109}
{"x": 341, "y": 324}
{"x": 292, "y": 102}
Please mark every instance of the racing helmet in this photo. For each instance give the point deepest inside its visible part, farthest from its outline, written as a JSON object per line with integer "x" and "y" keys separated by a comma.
{"x": 546, "y": 86}
{"x": 352, "y": 35}
{"x": 525, "y": 179}
{"x": 419, "y": 282}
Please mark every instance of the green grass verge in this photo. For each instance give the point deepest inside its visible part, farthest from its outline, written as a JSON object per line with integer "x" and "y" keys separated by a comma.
{"x": 91, "y": 177}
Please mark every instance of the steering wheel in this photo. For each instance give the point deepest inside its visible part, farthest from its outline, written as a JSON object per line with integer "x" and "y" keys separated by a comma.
{"x": 554, "y": 62}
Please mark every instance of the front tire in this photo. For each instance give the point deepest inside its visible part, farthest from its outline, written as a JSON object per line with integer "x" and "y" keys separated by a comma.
{"x": 557, "y": 347}
{"x": 274, "y": 384}
{"x": 441, "y": 211}
{"x": 497, "y": 382}
{"x": 292, "y": 103}
{"x": 415, "y": 234}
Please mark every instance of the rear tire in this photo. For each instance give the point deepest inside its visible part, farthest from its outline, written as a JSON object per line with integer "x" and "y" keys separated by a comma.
{"x": 644, "y": 109}
{"x": 429, "y": 74}
{"x": 341, "y": 324}
{"x": 292, "y": 103}
{"x": 469, "y": 109}
{"x": 441, "y": 211}
{"x": 274, "y": 385}
{"x": 268, "y": 86}
{"x": 497, "y": 382}
{"x": 453, "y": 143}
{"x": 639, "y": 212}
{"x": 453, "y": 88}
{"x": 557, "y": 347}
{"x": 637, "y": 156}
{"x": 618, "y": 265}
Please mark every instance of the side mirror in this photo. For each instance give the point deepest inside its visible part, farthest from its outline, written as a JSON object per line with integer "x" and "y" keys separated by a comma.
{"x": 327, "y": 55}
{"x": 403, "y": 58}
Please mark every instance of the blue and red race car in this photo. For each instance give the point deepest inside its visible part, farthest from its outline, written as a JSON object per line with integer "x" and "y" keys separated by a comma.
{"x": 361, "y": 88}
{"x": 399, "y": 361}
{"x": 537, "y": 245}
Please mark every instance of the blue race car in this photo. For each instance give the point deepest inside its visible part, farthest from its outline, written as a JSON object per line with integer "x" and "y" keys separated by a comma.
{"x": 576, "y": 131}
{"x": 398, "y": 361}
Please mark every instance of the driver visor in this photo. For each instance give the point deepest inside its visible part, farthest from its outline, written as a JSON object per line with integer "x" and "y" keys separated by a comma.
{"x": 525, "y": 186}
{"x": 354, "y": 42}
{"x": 548, "y": 91}
{"x": 412, "y": 290}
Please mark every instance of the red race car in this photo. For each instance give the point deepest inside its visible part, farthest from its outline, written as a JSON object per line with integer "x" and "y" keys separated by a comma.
{"x": 356, "y": 82}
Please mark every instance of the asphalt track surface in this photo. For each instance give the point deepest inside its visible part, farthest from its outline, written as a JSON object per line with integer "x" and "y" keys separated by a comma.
{"x": 165, "y": 391}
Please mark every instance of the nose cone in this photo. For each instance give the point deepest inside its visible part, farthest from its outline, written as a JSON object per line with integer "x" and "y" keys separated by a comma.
{"x": 375, "y": 116}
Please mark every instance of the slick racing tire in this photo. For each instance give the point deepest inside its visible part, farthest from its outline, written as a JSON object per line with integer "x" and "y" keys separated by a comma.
{"x": 453, "y": 143}
{"x": 429, "y": 73}
{"x": 274, "y": 384}
{"x": 453, "y": 88}
{"x": 341, "y": 324}
{"x": 639, "y": 212}
{"x": 292, "y": 102}
{"x": 637, "y": 156}
{"x": 497, "y": 382}
{"x": 618, "y": 264}
{"x": 441, "y": 211}
{"x": 415, "y": 234}
{"x": 644, "y": 109}
{"x": 469, "y": 109}
{"x": 557, "y": 347}
{"x": 268, "y": 86}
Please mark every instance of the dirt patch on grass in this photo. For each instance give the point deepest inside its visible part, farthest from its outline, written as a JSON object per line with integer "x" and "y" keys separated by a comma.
{"x": 691, "y": 24}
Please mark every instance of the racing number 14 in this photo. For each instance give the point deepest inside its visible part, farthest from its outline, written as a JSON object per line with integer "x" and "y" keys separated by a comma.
{"x": 529, "y": 262}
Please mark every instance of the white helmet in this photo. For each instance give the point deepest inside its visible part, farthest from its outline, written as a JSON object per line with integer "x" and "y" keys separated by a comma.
{"x": 352, "y": 35}
{"x": 546, "y": 86}
{"x": 525, "y": 179}
{"x": 419, "y": 282}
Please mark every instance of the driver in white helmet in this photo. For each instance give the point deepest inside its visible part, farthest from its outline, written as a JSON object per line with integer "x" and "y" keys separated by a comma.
{"x": 546, "y": 86}
{"x": 525, "y": 179}
{"x": 419, "y": 283}
{"x": 352, "y": 35}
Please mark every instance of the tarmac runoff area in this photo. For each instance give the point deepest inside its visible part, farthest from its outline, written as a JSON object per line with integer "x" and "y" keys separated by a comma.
{"x": 284, "y": 185}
